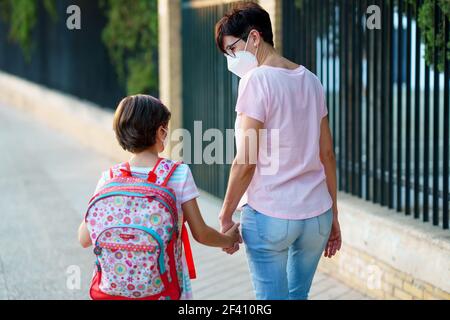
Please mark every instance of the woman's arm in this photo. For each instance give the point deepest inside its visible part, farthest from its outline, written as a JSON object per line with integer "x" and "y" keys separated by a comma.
{"x": 329, "y": 162}
{"x": 203, "y": 233}
{"x": 83, "y": 235}
{"x": 242, "y": 169}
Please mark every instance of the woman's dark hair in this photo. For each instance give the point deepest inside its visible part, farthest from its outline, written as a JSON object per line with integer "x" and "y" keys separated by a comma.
{"x": 136, "y": 121}
{"x": 242, "y": 18}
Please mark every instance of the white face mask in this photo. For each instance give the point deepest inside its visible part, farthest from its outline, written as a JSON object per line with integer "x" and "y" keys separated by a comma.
{"x": 166, "y": 140}
{"x": 243, "y": 62}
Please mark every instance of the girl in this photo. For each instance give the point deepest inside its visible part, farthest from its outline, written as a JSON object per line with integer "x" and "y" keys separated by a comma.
{"x": 141, "y": 127}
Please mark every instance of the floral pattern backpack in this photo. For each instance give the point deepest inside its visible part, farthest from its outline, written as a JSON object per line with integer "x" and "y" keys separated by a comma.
{"x": 137, "y": 236}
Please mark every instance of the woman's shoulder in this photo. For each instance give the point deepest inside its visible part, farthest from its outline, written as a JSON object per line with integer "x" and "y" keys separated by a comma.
{"x": 266, "y": 73}
{"x": 256, "y": 74}
{"x": 255, "y": 78}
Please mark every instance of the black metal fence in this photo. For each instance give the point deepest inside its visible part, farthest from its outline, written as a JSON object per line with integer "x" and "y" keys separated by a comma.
{"x": 75, "y": 62}
{"x": 388, "y": 109}
{"x": 209, "y": 89}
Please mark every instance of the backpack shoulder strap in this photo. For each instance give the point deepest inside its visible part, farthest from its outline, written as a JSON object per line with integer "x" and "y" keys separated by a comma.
{"x": 164, "y": 171}
{"x": 160, "y": 174}
{"x": 188, "y": 252}
{"x": 120, "y": 170}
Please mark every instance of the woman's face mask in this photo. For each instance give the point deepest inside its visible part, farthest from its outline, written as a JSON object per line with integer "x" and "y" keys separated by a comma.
{"x": 243, "y": 62}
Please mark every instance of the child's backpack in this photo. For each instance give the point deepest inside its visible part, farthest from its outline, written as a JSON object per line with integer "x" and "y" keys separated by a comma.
{"x": 137, "y": 236}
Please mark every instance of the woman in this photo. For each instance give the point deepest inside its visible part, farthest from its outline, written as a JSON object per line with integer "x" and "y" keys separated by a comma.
{"x": 289, "y": 217}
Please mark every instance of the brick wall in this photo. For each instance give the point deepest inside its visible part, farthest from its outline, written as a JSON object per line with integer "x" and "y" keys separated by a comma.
{"x": 376, "y": 278}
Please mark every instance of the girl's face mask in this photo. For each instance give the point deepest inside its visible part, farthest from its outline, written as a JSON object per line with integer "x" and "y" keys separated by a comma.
{"x": 166, "y": 139}
{"x": 243, "y": 62}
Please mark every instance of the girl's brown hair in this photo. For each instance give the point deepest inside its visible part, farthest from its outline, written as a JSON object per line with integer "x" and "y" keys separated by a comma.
{"x": 137, "y": 120}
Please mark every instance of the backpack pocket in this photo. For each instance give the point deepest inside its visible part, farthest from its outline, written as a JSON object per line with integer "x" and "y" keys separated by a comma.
{"x": 131, "y": 259}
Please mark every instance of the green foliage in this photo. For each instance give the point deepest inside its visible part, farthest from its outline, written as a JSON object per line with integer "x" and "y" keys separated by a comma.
{"x": 434, "y": 41}
{"x": 21, "y": 15}
{"x": 50, "y": 6}
{"x": 299, "y": 4}
{"x": 426, "y": 22}
{"x": 131, "y": 36}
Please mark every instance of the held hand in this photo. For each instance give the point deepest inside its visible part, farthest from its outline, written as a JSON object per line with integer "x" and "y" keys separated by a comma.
{"x": 233, "y": 249}
{"x": 334, "y": 241}
{"x": 225, "y": 226}
{"x": 233, "y": 233}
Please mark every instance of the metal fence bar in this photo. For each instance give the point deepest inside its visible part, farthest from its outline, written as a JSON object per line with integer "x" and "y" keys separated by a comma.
{"x": 376, "y": 47}
{"x": 383, "y": 101}
{"x": 353, "y": 110}
{"x": 399, "y": 104}
{"x": 436, "y": 121}
{"x": 334, "y": 79}
{"x": 361, "y": 47}
{"x": 426, "y": 137}
{"x": 342, "y": 168}
{"x": 347, "y": 102}
{"x": 390, "y": 162}
{"x": 417, "y": 119}
{"x": 446, "y": 133}
{"x": 408, "y": 112}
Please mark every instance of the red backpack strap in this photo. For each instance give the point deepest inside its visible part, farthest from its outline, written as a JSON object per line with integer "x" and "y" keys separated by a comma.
{"x": 124, "y": 170}
{"x": 120, "y": 170}
{"x": 188, "y": 251}
{"x": 164, "y": 170}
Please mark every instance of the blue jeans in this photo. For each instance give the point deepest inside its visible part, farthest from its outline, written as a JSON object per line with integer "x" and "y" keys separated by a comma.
{"x": 283, "y": 254}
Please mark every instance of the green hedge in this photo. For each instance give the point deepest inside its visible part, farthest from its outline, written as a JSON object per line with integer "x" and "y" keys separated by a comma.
{"x": 130, "y": 35}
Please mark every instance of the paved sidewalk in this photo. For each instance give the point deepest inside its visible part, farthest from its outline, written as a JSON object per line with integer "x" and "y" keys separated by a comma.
{"x": 46, "y": 181}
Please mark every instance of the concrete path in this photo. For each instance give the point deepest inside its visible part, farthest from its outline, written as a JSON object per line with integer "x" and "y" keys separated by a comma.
{"x": 46, "y": 181}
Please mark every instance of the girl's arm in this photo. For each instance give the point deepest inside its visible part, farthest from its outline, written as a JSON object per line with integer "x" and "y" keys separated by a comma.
{"x": 203, "y": 233}
{"x": 83, "y": 235}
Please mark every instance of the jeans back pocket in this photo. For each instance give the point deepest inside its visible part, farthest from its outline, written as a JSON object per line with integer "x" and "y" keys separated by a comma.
{"x": 270, "y": 229}
{"x": 325, "y": 221}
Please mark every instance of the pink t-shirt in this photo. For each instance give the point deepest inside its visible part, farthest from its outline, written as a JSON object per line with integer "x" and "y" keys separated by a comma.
{"x": 292, "y": 104}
